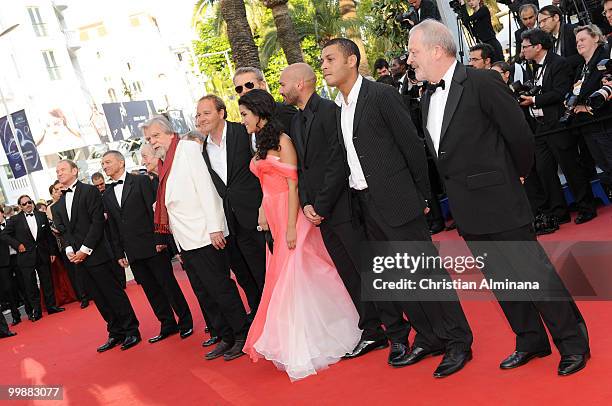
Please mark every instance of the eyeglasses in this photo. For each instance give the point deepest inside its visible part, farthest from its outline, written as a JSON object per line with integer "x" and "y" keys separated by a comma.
{"x": 26, "y": 203}
{"x": 527, "y": 46}
{"x": 248, "y": 85}
{"x": 475, "y": 59}
{"x": 544, "y": 19}
{"x": 606, "y": 12}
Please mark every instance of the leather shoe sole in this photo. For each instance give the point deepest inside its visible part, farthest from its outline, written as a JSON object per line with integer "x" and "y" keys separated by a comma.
{"x": 186, "y": 333}
{"x": 452, "y": 368}
{"x": 160, "y": 337}
{"x": 578, "y": 366}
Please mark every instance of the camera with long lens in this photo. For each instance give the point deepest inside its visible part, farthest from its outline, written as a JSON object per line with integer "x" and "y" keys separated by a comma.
{"x": 529, "y": 88}
{"x": 455, "y": 5}
{"x": 404, "y": 17}
{"x": 571, "y": 101}
{"x": 601, "y": 96}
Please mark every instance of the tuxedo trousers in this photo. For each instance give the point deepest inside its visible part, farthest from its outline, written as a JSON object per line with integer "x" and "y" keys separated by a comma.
{"x": 439, "y": 324}
{"x": 4, "y": 329}
{"x": 222, "y": 300}
{"x": 561, "y": 317}
{"x": 76, "y": 278}
{"x": 111, "y": 300}
{"x": 43, "y": 269}
{"x": 200, "y": 293}
{"x": 163, "y": 292}
{"x": 18, "y": 286}
{"x": 7, "y": 291}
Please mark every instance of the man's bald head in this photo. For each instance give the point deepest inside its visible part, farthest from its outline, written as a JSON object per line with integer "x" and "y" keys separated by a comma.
{"x": 297, "y": 84}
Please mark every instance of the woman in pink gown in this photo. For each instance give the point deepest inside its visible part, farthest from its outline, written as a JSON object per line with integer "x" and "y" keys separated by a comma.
{"x": 306, "y": 319}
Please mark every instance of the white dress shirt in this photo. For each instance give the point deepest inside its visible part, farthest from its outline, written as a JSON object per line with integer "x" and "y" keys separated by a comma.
{"x": 401, "y": 83}
{"x": 195, "y": 209}
{"x": 32, "y": 224}
{"x": 535, "y": 112}
{"x": 69, "y": 196}
{"x": 118, "y": 188}
{"x": 218, "y": 154}
{"x": 437, "y": 105}
{"x": 357, "y": 179}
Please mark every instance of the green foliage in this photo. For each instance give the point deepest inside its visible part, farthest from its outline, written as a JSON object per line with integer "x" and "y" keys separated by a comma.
{"x": 383, "y": 22}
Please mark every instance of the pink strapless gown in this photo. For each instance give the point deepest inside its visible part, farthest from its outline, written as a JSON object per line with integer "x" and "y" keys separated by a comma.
{"x": 306, "y": 319}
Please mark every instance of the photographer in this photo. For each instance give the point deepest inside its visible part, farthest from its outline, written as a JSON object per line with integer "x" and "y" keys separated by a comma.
{"x": 481, "y": 56}
{"x": 555, "y": 146}
{"x": 424, "y": 9}
{"x": 505, "y": 70}
{"x": 594, "y": 125}
{"x": 481, "y": 26}
{"x": 528, "y": 15}
{"x": 550, "y": 19}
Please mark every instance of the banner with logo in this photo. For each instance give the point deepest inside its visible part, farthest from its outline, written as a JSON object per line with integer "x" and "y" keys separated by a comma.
{"x": 124, "y": 119}
{"x": 28, "y": 147}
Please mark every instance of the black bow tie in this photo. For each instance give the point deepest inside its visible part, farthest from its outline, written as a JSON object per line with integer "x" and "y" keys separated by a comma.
{"x": 431, "y": 88}
{"x": 119, "y": 182}
{"x": 66, "y": 191}
{"x": 29, "y": 214}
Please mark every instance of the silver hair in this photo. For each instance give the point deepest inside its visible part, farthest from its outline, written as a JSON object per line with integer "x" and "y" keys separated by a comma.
{"x": 250, "y": 69}
{"x": 114, "y": 153}
{"x": 593, "y": 30}
{"x": 194, "y": 136}
{"x": 147, "y": 146}
{"x": 528, "y": 6}
{"x": 437, "y": 34}
{"x": 160, "y": 121}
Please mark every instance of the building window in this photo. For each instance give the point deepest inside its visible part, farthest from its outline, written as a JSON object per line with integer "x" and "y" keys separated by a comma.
{"x": 52, "y": 68}
{"x": 40, "y": 28}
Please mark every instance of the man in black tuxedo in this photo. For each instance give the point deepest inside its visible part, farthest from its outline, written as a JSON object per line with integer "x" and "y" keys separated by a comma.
{"x": 387, "y": 174}
{"x": 30, "y": 235}
{"x": 129, "y": 203}
{"x": 528, "y": 14}
{"x": 483, "y": 146}
{"x": 227, "y": 153}
{"x": 555, "y": 145}
{"x": 9, "y": 272}
{"x": 79, "y": 217}
{"x": 550, "y": 20}
{"x": 248, "y": 78}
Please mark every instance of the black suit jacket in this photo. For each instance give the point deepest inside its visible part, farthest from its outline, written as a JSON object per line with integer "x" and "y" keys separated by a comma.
{"x": 86, "y": 224}
{"x": 242, "y": 195}
{"x": 556, "y": 83}
{"x": 322, "y": 173}
{"x": 284, "y": 114}
{"x": 5, "y": 258}
{"x": 485, "y": 146}
{"x": 131, "y": 223}
{"x": 18, "y": 232}
{"x": 591, "y": 83}
{"x": 480, "y": 23}
{"x": 518, "y": 41}
{"x": 568, "y": 45}
{"x": 428, "y": 9}
{"x": 391, "y": 153}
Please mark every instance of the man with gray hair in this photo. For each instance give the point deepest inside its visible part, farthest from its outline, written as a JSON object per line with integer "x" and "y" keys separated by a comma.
{"x": 483, "y": 147}
{"x": 248, "y": 78}
{"x": 189, "y": 207}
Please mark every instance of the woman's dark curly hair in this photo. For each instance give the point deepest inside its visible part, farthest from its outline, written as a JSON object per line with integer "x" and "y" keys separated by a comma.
{"x": 261, "y": 104}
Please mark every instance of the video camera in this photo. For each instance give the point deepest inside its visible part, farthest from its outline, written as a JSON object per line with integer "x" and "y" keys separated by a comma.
{"x": 529, "y": 88}
{"x": 403, "y": 18}
{"x": 601, "y": 96}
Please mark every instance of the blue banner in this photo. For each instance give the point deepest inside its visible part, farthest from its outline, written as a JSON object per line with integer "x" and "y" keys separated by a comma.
{"x": 124, "y": 119}
{"x": 28, "y": 147}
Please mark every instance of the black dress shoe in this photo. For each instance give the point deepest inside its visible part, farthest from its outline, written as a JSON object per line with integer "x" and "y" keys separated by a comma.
{"x": 365, "y": 346}
{"x": 84, "y": 304}
{"x": 186, "y": 333}
{"x": 451, "y": 226}
{"x": 570, "y": 364}
{"x": 54, "y": 309}
{"x": 161, "y": 336}
{"x": 235, "y": 351}
{"x": 129, "y": 342}
{"x": 436, "y": 228}
{"x": 518, "y": 358}
{"x": 211, "y": 341}
{"x": 584, "y": 217}
{"x": 7, "y": 334}
{"x": 111, "y": 343}
{"x": 452, "y": 362}
{"x": 398, "y": 353}
{"x": 564, "y": 220}
{"x": 206, "y": 330}
{"x": 219, "y": 350}
{"x": 35, "y": 317}
{"x": 415, "y": 355}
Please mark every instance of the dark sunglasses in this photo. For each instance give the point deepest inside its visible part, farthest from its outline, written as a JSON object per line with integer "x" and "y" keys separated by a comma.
{"x": 26, "y": 203}
{"x": 248, "y": 85}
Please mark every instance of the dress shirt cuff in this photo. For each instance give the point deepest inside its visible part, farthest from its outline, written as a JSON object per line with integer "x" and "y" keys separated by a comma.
{"x": 86, "y": 250}
{"x": 69, "y": 250}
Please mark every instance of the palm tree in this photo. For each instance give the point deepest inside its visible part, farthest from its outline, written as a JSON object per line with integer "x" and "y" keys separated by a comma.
{"x": 348, "y": 11}
{"x": 239, "y": 34}
{"x": 285, "y": 30}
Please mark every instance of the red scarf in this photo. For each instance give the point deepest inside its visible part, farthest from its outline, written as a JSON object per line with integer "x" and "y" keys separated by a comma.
{"x": 162, "y": 221}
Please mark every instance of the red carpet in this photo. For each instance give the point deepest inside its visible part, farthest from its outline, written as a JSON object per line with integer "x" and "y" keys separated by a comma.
{"x": 60, "y": 350}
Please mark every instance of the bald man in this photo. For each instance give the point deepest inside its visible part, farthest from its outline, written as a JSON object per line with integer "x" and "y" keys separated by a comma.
{"x": 324, "y": 191}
